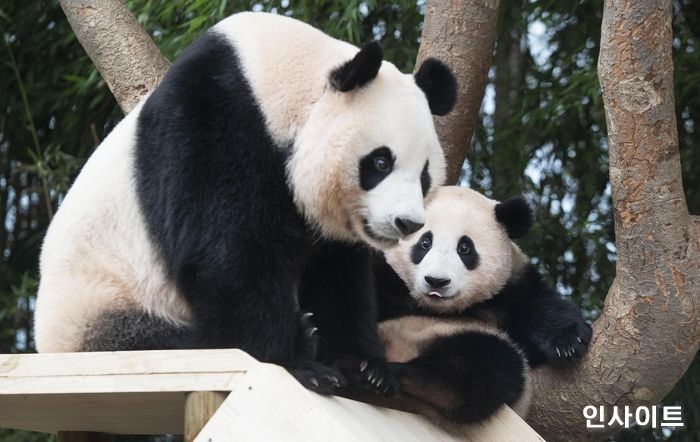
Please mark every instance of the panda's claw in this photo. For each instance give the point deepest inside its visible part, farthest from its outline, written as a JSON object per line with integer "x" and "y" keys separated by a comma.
{"x": 372, "y": 374}
{"x": 318, "y": 377}
{"x": 308, "y": 315}
{"x": 558, "y": 353}
{"x": 579, "y": 339}
{"x": 312, "y": 332}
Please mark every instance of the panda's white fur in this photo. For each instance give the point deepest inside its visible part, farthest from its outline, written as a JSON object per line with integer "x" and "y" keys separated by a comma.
{"x": 96, "y": 254}
{"x": 99, "y": 257}
{"x": 455, "y": 212}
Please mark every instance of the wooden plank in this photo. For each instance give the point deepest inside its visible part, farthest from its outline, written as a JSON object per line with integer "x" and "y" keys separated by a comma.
{"x": 200, "y": 406}
{"x": 122, "y": 362}
{"x": 122, "y": 372}
{"x": 141, "y": 392}
{"x": 269, "y": 405}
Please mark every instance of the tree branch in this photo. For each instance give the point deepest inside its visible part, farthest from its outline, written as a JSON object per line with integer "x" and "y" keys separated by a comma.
{"x": 462, "y": 34}
{"x": 123, "y": 52}
{"x": 648, "y": 332}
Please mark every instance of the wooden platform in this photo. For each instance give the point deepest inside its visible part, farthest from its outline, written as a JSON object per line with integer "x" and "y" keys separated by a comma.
{"x": 144, "y": 393}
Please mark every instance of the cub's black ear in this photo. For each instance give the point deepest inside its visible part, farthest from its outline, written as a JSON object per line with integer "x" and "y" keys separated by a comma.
{"x": 438, "y": 84}
{"x": 360, "y": 70}
{"x": 515, "y": 215}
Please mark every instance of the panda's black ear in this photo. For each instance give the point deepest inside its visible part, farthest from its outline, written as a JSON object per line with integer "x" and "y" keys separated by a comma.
{"x": 515, "y": 215}
{"x": 438, "y": 84}
{"x": 360, "y": 70}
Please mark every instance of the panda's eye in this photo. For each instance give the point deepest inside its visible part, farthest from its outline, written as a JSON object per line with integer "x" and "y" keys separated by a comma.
{"x": 382, "y": 163}
{"x": 426, "y": 243}
{"x": 463, "y": 249}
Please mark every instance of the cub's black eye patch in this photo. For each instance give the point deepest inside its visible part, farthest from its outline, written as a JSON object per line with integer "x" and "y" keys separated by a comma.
{"x": 421, "y": 248}
{"x": 467, "y": 252}
{"x": 375, "y": 166}
{"x": 425, "y": 179}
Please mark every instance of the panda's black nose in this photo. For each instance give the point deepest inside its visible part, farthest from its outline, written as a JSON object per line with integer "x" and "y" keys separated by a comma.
{"x": 437, "y": 282}
{"x": 406, "y": 226}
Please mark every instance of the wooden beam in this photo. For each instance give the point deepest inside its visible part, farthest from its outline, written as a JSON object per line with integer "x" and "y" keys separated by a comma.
{"x": 200, "y": 406}
{"x": 140, "y": 392}
{"x": 268, "y": 404}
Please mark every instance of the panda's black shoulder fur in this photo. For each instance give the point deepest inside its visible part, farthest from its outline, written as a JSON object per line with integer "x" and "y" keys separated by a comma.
{"x": 392, "y": 293}
{"x": 546, "y": 326}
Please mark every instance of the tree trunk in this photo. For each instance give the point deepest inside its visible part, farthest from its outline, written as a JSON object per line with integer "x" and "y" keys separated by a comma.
{"x": 649, "y": 331}
{"x": 460, "y": 33}
{"x": 508, "y": 61}
{"x": 123, "y": 52}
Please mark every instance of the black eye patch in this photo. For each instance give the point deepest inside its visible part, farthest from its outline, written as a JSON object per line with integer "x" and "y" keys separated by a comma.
{"x": 425, "y": 180}
{"x": 421, "y": 248}
{"x": 375, "y": 166}
{"x": 467, "y": 252}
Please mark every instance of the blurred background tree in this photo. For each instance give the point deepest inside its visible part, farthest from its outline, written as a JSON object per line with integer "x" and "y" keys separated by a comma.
{"x": 542, "y": 133}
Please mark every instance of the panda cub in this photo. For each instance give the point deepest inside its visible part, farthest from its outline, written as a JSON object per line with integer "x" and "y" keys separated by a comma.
{"x": 465, "y": 316}
{"x": 270, "y": 154}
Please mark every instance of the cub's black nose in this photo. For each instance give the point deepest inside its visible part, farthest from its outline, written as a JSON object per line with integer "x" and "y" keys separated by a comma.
{"x": 436, "y": 282}
{"x": 406, "y": 226}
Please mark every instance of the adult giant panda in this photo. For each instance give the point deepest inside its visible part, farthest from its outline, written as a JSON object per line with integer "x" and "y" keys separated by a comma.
{"x": 465, "y": 315}
{"x": 270, "y": 152}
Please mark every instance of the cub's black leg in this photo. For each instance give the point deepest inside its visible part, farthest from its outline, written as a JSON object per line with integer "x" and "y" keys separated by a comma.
{"x": 465, "y": 377}
{"x": 560, "y": 334}
{"x": 547, "y": 327}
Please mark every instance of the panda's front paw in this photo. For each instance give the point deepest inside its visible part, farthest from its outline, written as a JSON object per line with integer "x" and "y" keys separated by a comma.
{"x": 370, "y": 374}
{"x": 318, "y": 377}
{"x": 567, "y": 342}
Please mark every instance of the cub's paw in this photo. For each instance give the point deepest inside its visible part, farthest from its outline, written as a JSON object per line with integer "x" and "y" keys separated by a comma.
{"x": 370, "y": 374}
{"x": 307, "y": 337}
{"x": 318, "y": 377}
{"x": 568, "y": 341}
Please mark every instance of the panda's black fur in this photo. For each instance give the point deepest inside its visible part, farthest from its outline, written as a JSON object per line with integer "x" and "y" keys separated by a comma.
{"x": 464, "y": 375}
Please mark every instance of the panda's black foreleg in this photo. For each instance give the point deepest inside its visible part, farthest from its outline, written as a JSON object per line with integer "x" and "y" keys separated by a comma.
{"x": 338, "y": 287}
{"x": 246, "y": 307}
{"x": 547, "y": 327}
{"x": 465, "y": 377}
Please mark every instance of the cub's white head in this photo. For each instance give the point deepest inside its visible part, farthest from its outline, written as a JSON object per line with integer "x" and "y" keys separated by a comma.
{"x": 463, "y": 254}
{"x": 368, "y": 153}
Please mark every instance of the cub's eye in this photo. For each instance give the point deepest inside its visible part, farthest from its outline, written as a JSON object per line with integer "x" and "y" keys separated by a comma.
{"x": 426, "y": 243}
{"x": 463, "y": 249}
{"x": 382, "y": 163}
